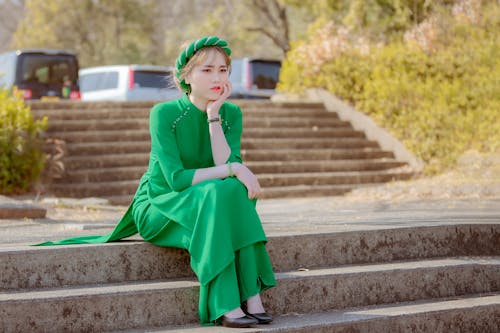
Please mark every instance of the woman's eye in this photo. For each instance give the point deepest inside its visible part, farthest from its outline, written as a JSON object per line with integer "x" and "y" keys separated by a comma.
{"x": 223, "y": 70}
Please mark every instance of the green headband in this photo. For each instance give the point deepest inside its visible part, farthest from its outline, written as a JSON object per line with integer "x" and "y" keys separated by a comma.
{"x": 189, "y": 51}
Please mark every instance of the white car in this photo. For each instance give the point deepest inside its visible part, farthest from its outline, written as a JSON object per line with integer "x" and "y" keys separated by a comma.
{"x": 128, "y": 83}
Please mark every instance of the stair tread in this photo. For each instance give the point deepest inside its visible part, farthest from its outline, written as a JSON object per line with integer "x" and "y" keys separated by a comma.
{"x": 327, "y": 174}
{"x": 294, "y": 321}
{"x": 156, "y": 285}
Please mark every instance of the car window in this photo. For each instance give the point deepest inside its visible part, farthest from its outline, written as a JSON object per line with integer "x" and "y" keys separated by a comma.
{"x": 265, "y": 74}
{"x": 98, "y": 81}
{"x": 150, "y": 79}
{"x": 49, "y": 69}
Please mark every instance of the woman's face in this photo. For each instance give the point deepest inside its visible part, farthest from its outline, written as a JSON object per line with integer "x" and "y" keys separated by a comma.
{"x": 208, "y": 78}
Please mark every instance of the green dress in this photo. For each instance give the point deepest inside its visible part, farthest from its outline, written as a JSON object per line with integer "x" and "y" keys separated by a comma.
{"x": 213, "y": 220}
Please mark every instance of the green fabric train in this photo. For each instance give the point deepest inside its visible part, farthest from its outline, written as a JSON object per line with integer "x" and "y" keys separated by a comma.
{"x": 189, "y": 51}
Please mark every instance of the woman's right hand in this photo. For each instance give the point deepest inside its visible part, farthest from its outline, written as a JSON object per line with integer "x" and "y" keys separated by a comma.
{"x": 248, "y": 179}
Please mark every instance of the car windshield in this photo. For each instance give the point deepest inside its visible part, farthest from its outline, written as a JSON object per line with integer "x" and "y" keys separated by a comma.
{"x": 47, "y": 68}
{"x": 153, "y": 79}
{"x": 265, "y": 74}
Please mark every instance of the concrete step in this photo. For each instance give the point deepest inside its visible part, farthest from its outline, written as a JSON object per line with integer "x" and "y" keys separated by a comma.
{"x": 296, "y": 182}
{"x": 243, "y": 103}
{"x": 81, "y": 165}
{"x": 167, "y": 302}
{"x": 292, "y": 191}
{"x": 274, "y": 185}
{"x": 306, "y": 143}
{"x": 58, "y": 126}
{"x": 284, "y": 167}
{"x": 25, "y": 267}
{"x": 264, "y": 148}
{"x": 302, "y": 133}
{"x": 143, "y": 135}
{"x": 116, "y": 123}
{"x": 110, "y": 111}
{"x": 77, "y": 163}
{"x": 101, "y": 190}
{"x": 251, "y": 155}
{"x": 473, "y": 313}
{"x": 107, "y": 112}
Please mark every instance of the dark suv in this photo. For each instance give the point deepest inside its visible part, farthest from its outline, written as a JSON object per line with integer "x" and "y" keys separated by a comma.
{"x": 44, "y": 74}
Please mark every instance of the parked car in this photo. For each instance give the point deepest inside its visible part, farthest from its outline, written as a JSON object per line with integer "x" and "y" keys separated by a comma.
{"x": 254, "y": 78}
{"x": 45, "y": 74}
{"x": 128, "y": 83}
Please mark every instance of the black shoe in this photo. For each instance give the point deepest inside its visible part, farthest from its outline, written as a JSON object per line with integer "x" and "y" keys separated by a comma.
{"x": 263, "y": 318}
{"x": 240, "y": 322}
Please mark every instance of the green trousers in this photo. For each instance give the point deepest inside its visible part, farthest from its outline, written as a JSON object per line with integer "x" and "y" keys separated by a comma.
{"x": 247, "y": 275}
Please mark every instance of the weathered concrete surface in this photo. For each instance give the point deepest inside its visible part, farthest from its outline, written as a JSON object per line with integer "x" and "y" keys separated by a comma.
{"x": 466, "y": 315}
{"x": 14, "y": 209}
{"x": 146, "y": 304}
{"x": 39, "y": 267}
{"x": 353, "y": 254}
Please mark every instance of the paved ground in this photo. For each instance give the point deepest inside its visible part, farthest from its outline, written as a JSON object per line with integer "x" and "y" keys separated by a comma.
{"x": 470, "y": 194}
{"x": 280, "y": 216}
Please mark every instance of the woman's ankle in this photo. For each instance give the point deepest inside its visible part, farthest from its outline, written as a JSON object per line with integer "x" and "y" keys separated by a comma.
{"x": 235, "y": 313}
{"x": 254, "y": 304}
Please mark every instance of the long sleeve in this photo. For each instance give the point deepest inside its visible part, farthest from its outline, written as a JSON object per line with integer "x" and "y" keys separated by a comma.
{"x": 165, "y": 151}
{"x": 233, "y": 126}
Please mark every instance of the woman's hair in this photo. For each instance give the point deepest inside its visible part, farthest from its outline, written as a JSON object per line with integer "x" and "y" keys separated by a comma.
{"x": 198, "y": 58}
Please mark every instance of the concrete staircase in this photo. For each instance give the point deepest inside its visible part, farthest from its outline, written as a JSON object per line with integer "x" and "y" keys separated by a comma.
{"x": 296, "y": 149}
{"x": 412, "y": 279}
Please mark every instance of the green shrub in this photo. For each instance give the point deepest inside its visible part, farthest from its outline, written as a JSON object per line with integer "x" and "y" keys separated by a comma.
{"x": 440, "y": 100}
{"x": 21, "y": 156}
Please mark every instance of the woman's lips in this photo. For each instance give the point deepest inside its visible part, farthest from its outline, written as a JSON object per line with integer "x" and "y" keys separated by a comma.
{"x": 215, "y": 88}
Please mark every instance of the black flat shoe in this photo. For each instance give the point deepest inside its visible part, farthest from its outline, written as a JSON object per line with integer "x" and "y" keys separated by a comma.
{"x": 263, "y": 318}
{"x": 241, "y": 322}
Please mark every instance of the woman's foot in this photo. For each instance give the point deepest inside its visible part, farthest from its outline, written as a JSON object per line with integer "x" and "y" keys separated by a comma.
{"x": 254, "y": 308}
{"x": 238, "y": 319}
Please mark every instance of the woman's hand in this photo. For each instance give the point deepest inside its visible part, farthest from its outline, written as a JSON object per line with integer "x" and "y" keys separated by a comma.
{"x": 214, "y": 106}
{"x": 248, "y": 179}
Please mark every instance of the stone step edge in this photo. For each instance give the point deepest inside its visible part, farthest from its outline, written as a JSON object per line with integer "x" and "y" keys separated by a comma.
{"x": 358, "y": 162}
{"x": 379, "y": 286}
{"x": 24, "y": 269}
{"x": 397, "y": 317}
{"x": 301, "y": 273}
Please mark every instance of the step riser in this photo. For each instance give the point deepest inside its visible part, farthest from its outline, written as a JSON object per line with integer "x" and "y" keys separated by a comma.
{"x": 141, "y": 159}
{"x": 305, "y": 143}
{"x": 143, "y": 113}
{"x": 142, "y": 135}
{"x": 95, "y": 171}
{"x": 302, "y": 144}
{"x": 311, "y": 155}
{"x": 356, "y": 179}
{"x": 304, "y": 192}
{"x": 143, "y": 124}
{"x": 161, "y": 307}
{"x": 306, "y": 295}
{"x": 33, "y": 267}
{"x": 96, "y": 189}
{"x": 484, "y": 319}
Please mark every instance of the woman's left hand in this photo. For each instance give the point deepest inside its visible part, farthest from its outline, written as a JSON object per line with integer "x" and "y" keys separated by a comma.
{"x": 214, "y": 106}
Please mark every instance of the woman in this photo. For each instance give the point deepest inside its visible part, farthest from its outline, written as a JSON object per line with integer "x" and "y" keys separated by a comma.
{"x": 197, "y": 194}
